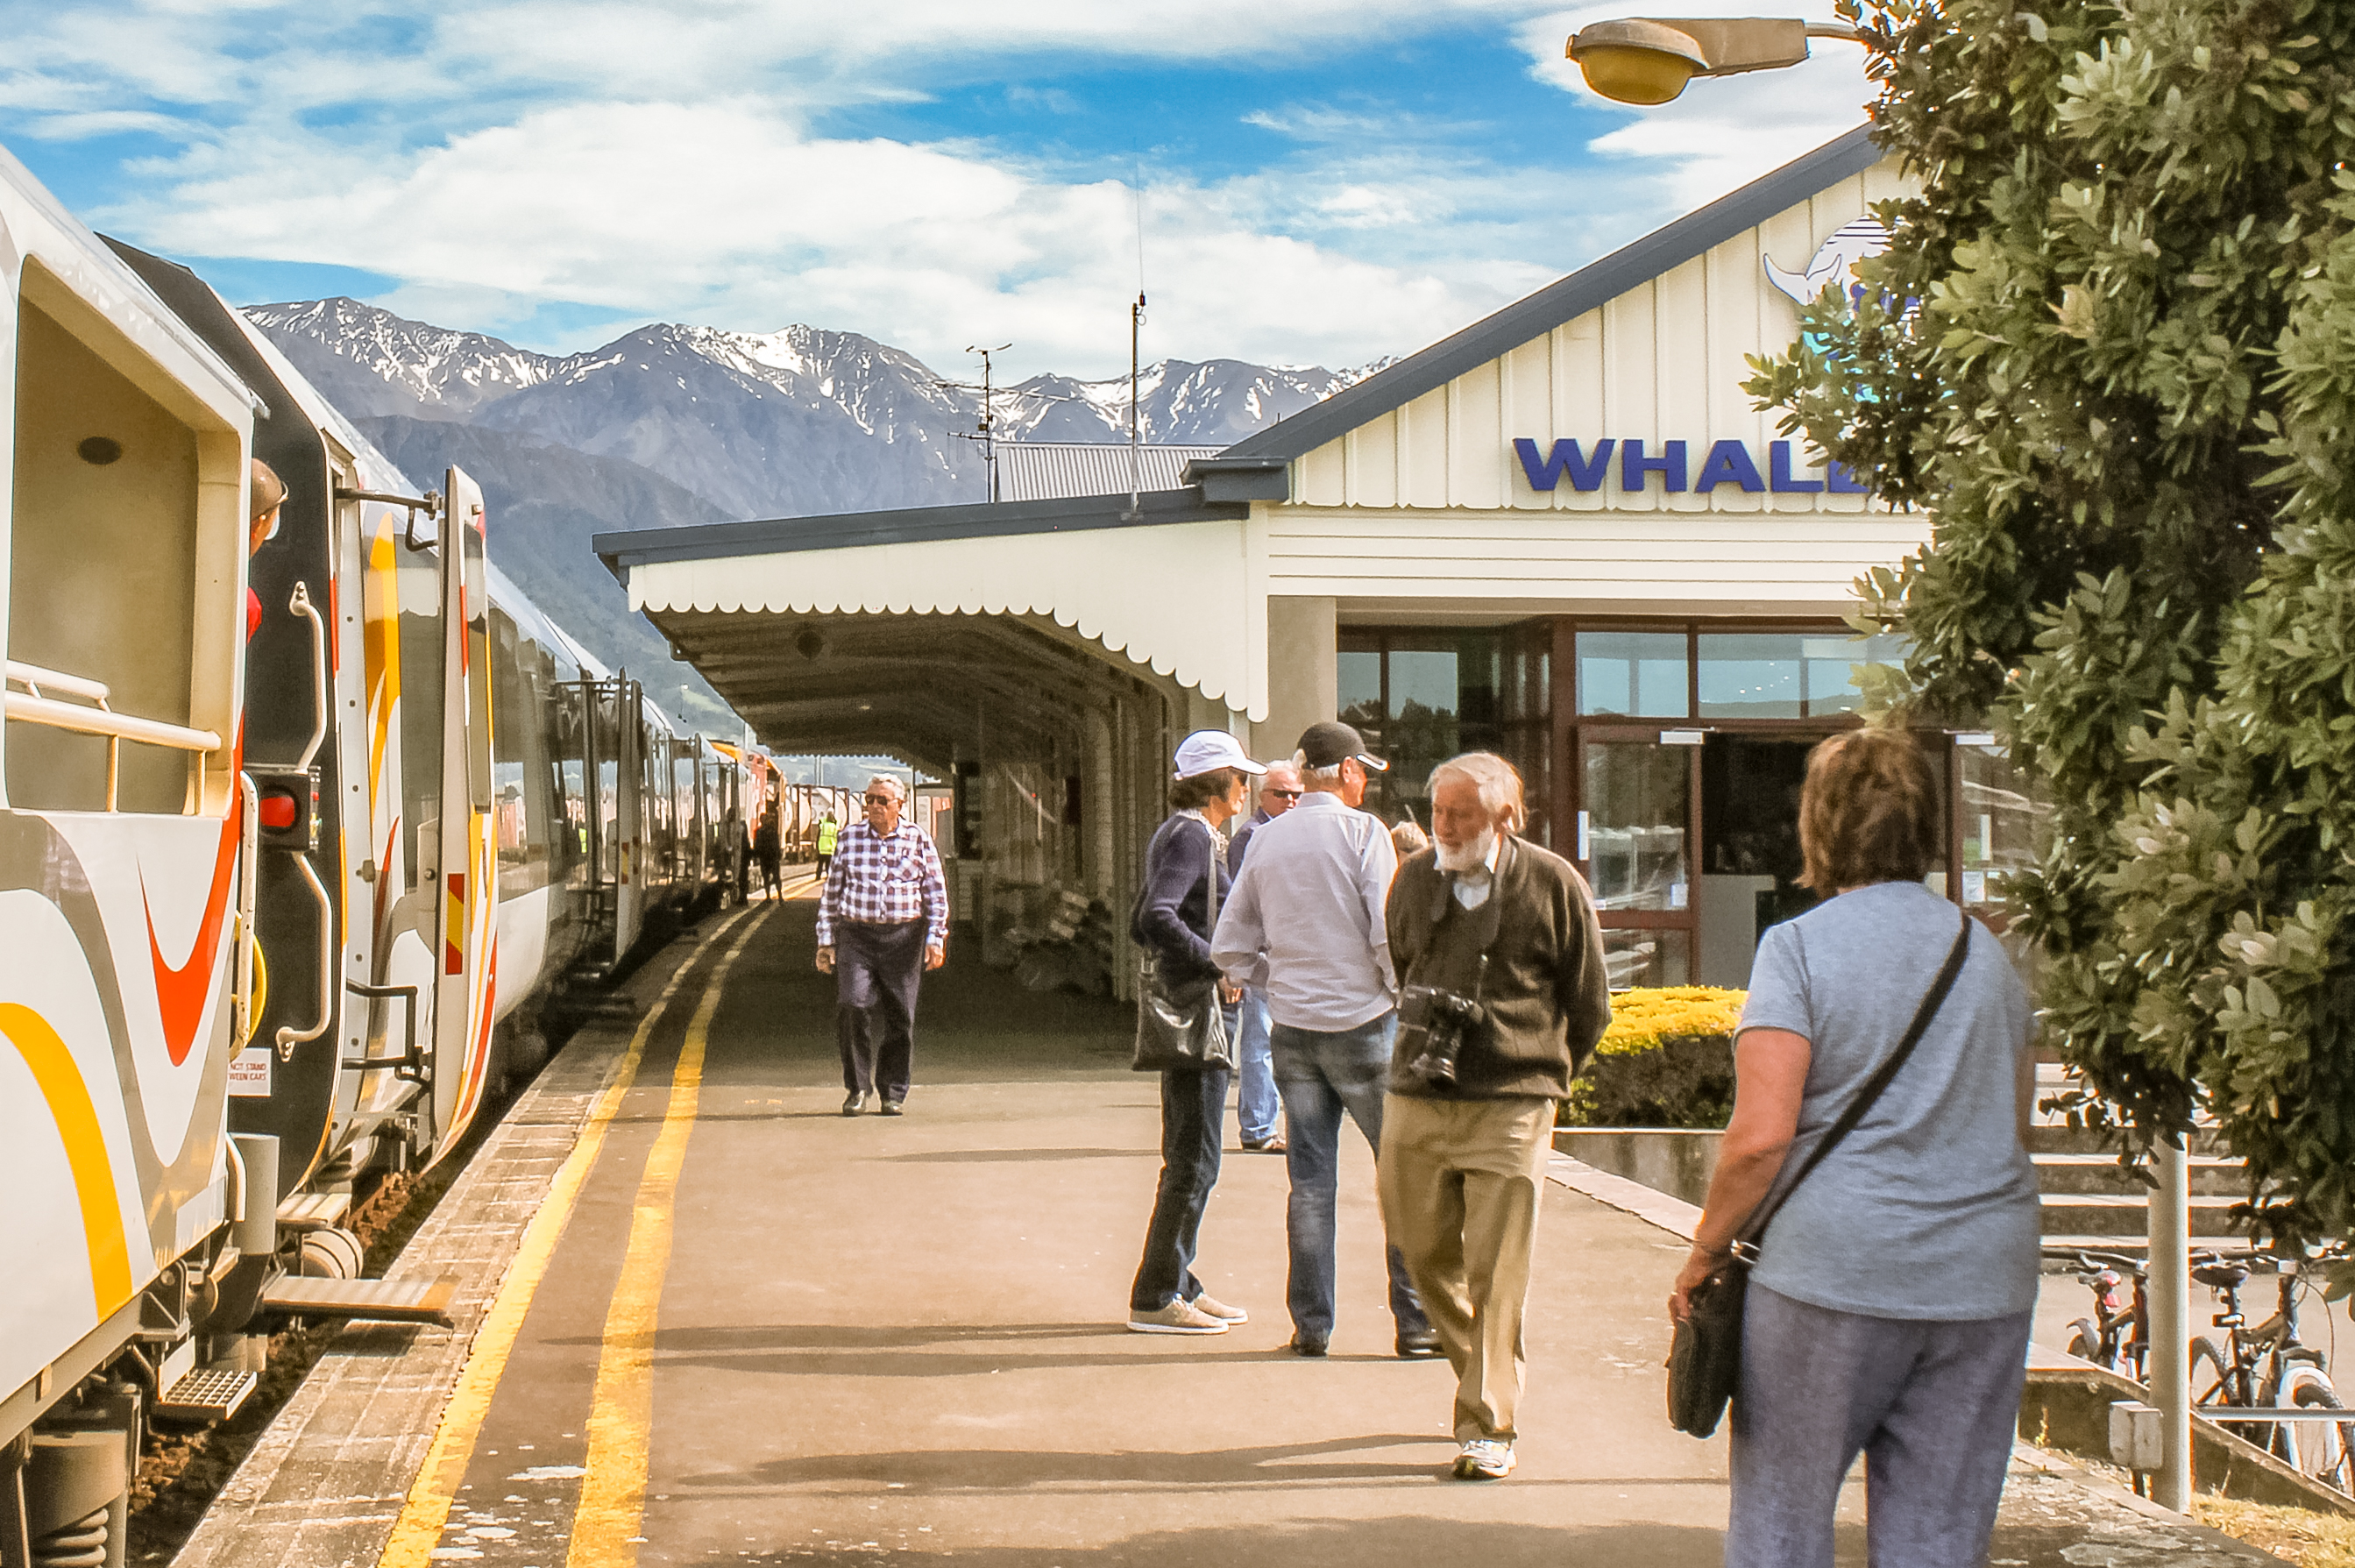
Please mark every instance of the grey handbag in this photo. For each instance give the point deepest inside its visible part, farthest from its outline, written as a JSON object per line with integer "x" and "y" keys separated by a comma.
{"x": 1181, "y": 1027}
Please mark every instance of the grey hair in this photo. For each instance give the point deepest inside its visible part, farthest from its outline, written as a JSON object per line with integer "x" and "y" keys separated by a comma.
{"x": 1498, "y": 782}
{"x": 1316, "y": 777}
{"x": 899, "y": 790}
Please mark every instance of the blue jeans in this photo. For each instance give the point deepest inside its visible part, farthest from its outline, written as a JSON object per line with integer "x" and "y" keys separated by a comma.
{"x": 1256, "y": 1102}
{"x": 1321, "y": 1074}
{"x": 1193, "y": 1123}
{"x": 1933, "y": 1406}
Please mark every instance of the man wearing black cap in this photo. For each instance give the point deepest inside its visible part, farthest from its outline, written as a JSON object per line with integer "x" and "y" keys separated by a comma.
{"x": 1304, "y": 922}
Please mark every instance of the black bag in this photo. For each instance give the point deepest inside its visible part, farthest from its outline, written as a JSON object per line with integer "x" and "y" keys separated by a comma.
{"x": 1705, "y": 1360}
{"x": 1180, "y": 1027}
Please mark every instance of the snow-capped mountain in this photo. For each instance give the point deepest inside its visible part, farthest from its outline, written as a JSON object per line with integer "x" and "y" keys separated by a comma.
{"x": 787, "y": 423}
{"x": 372, "y": 362}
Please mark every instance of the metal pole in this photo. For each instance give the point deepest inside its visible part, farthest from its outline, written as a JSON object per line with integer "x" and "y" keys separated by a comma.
{"x": 2170, "y": 1323}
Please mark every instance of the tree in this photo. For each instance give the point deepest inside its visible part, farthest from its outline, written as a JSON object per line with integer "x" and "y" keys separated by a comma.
{"x": 2112, "y": 351}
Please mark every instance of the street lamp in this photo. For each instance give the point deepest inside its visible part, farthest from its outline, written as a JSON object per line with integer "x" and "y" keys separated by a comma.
{"x": 1648, "y": 60}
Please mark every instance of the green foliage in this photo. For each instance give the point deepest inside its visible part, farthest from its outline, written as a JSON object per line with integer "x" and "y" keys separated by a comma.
{"x": 1666, "y": 1060}
{"x": 2112, "y": 349}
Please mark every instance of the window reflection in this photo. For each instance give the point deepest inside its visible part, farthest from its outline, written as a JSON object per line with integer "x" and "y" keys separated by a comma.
{"x": 1786, "y": 675}
{"x": 1643, "y": 675}
{"x": 1638, "y": 803}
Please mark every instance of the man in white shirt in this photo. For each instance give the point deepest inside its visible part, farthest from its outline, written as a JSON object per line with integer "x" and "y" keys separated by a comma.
{"x": 1304, "y": 922}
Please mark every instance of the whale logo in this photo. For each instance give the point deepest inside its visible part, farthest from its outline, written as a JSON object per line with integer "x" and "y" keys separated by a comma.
{"x": 1835, "y": 260}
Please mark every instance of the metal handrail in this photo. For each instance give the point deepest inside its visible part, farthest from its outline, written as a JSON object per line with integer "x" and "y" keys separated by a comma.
{"x": 58, "y": 715}
{"x": 34, "y": 676}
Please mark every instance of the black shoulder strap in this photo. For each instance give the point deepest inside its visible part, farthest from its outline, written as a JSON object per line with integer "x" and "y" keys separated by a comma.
{"x": 1861, "y": 1106}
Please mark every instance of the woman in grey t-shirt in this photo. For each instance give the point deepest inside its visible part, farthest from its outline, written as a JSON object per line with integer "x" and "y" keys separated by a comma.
{"x": 1890, "y": 1307}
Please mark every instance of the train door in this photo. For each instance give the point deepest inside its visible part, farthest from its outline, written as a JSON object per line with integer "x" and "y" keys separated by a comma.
{"x": 629, "y": 818}
{"x": 467, "y": 971}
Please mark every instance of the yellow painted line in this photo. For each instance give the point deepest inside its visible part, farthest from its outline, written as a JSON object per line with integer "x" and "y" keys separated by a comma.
{"x": 60, "y": 1081}
{"x": 621, "y": 1420}
{"x": 423, "y": 1518}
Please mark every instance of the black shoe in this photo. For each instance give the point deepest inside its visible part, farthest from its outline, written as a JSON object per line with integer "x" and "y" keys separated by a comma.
{"x": 1419, "y": 1347}
{"x": 1308, "y": 1345}
{"x": 893, "y": 1108}
{"x": 852, "y": 1102}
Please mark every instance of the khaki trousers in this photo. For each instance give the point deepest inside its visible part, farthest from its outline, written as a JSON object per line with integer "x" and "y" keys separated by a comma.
{"x": 1460, "y": 1182}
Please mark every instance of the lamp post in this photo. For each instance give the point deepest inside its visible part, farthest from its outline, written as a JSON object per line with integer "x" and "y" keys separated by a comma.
{"x": 1648, "y": 60}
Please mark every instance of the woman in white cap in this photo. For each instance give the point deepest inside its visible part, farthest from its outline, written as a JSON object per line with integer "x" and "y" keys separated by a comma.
{"x": 1184, "y": 880}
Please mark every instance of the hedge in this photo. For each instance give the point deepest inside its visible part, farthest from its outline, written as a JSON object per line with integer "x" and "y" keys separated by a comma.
{"x": 1666, "y": 1060}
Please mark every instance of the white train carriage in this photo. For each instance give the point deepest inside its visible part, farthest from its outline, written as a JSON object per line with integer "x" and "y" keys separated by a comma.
{"x": 122, "y": 539}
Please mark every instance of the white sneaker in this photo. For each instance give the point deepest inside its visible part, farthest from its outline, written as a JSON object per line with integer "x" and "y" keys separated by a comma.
{"x": 1484, "y": 1459}
{"x": 1210, "y": 1306}
{"x": 1178, "y": 1317}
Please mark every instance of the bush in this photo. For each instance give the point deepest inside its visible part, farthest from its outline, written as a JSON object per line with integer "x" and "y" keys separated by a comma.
{"x": 1666, "y": 1060}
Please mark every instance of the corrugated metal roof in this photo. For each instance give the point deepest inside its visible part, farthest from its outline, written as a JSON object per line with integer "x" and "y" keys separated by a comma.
{"x": 1053, "y": 470}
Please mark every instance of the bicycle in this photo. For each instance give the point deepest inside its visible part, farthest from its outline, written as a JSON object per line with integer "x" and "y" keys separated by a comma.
{"x": 2269, "y": 1367}
{"x": 2117, "y": 1337}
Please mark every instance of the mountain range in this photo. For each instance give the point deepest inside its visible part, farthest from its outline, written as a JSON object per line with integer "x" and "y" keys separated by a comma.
{"x": 674, "y": 424}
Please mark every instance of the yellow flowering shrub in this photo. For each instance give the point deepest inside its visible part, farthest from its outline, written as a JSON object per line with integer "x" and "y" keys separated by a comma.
{"x": 1666, "y": 1060}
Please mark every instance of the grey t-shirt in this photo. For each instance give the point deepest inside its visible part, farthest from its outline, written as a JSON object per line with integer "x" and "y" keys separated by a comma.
{"x": 1928, "y": 1209}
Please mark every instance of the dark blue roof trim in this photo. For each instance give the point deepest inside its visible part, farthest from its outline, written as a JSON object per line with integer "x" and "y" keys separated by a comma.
{"x": 784, "y": 536}
{"x": 1658, "y": 252}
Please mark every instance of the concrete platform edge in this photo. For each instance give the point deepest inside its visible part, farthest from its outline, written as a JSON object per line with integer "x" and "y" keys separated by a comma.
{"x": 323, "y": 1487}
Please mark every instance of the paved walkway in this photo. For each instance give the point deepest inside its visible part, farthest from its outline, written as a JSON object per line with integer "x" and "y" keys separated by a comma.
{"x": 763, "y": 1332}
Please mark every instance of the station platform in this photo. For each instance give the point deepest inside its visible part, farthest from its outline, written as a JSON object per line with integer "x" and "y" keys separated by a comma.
{"x": 708, "y": 1320}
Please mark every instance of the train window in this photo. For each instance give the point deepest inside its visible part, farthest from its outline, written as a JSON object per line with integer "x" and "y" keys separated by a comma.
{"x": 113, "y": 556}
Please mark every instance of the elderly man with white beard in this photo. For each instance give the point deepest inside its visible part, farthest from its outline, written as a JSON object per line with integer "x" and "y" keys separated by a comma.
{"x": 1503, "y": 995}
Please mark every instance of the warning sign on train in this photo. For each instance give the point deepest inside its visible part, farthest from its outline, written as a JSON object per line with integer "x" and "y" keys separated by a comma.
{"x": 248, "y": 1072}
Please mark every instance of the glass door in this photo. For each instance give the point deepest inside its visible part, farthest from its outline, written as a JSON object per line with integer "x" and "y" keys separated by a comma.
{"x": 1636, "y": 825}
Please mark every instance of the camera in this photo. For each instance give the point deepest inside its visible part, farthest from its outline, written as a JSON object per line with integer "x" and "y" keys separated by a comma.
{"x": 1433, "y": 1024}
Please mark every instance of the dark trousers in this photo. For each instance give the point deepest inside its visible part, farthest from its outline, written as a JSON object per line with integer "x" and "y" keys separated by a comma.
{"x": 1193, "y": 1126}
{"x": 876, "y": 971}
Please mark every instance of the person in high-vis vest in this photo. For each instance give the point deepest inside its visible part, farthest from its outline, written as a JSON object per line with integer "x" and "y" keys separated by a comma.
{"x": 828, "y": 830}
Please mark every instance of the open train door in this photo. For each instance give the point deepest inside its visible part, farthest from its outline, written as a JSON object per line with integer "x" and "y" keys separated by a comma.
{"x": 467, "y": 974}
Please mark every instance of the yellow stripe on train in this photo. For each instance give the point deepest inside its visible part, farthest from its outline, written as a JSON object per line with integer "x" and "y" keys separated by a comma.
{"x": 61, "y": 1086}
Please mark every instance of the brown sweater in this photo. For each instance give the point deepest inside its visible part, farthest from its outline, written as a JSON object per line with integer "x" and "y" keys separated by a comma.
{"x": 1546, "y": 990}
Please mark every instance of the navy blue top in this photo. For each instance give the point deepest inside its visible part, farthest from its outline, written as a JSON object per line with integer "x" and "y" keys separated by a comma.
{"x": 1172, "y": 911}
{"x": 1239, "y": 841}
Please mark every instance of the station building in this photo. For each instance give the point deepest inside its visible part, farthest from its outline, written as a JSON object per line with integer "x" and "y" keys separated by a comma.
{"x": 1563, "y": 534}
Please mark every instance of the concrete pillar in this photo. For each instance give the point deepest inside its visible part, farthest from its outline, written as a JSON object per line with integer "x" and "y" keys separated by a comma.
{"x": 1301, "y": 671}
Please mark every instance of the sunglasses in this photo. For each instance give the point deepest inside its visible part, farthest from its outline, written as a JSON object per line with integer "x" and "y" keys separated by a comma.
{"x": 880, "y": 799}
{"x": 1285, "y": 793}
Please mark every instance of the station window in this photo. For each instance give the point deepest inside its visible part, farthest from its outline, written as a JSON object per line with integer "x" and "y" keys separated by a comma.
{"x": 1641, "y": 675}
{"x": 104, "y": 564}
{"x": 1786, "y": 675}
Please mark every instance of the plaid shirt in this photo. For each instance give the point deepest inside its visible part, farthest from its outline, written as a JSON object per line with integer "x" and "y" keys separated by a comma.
{"x": 885, "y": 880}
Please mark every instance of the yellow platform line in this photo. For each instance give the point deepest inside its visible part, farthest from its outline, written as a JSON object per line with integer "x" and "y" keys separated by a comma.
{"x": 621, "y": 1419}
{"x": 426, "y": 1513}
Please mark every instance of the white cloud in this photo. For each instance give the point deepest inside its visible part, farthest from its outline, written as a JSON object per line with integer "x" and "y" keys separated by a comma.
{"x": 731, "y": 213}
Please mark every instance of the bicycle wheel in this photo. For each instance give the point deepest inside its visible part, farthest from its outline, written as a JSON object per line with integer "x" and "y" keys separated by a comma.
{"x": 2086, "y": 1342}
{"x": 2322, "y": 1450}
{"x": 2212, "y": 1378}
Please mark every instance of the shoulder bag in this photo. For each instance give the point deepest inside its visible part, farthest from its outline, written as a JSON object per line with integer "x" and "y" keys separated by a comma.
{"x": 1180, "y": 1027}
{"x": 1705, "y": 1360}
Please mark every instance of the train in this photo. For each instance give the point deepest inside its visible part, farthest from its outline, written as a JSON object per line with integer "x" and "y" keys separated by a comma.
{"x": 289, "y": 897}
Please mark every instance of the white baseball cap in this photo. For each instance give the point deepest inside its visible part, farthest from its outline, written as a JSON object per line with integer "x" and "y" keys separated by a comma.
{"x": 1206, "y": 750}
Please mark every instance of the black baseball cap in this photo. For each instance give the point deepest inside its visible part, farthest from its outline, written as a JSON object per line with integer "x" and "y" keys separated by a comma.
{"x": 1325, "y": 745}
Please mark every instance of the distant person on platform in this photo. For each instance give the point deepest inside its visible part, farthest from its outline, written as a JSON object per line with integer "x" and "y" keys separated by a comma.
{"x": 1489, "y": 921}
{"x": 769, "y": 848}
{"x": 882, "y": 921}
{"x": 1256, "y": 1102}
{"x": 1305, "y": 922}
{"x": 829, "y": 834}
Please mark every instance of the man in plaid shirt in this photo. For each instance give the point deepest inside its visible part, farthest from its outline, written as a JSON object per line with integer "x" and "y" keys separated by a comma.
{"x": 883, "y": 920}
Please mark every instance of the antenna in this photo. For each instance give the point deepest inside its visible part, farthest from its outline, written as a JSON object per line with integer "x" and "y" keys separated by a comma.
{"x": 1135, "y": 331}
{"x": 988, "y": 428}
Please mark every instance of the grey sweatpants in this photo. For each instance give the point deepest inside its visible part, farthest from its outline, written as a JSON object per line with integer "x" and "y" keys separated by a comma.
{"x": 1932, "y": 1405}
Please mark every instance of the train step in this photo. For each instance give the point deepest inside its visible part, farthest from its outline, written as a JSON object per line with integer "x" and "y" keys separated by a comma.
{"x": 397, "y": 1300}
{"x": 314, "y": 1211}
{"x": 210, "y": 1395}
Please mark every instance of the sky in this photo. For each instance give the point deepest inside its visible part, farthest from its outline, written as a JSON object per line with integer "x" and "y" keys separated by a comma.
{"x": 1296, "y": 182}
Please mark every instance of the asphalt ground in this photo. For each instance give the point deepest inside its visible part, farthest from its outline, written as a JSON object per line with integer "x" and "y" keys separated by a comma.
{"x": 743, "y": 1328}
